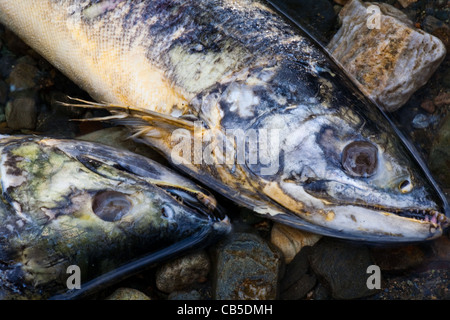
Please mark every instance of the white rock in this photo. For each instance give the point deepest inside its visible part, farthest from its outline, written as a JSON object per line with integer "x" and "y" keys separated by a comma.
{"x": 380, "y": 47}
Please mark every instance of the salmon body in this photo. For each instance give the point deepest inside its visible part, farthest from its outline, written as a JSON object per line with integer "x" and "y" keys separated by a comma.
{"x": 242, "y": 100}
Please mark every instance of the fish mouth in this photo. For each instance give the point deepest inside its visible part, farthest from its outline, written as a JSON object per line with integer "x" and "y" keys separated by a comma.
{"x": 435, "y": 218}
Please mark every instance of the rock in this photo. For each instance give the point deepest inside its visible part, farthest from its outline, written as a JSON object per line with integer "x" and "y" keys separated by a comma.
{"x": 428, "y": 106}
{"x": 389, "y": 58}
{"x": 406, "y": 3}
{"x": 23, "y": 76}
{"x": 247, "y": 268}
{"x": 297, "y": 281}
{"x": 431, "y": 23}
{"x": 127, "y": 294}
{"x": 290, "y": 241}
{"x": 21, "y": 112}
{"x": 397, "y": 258}
{"x": 341, "y": 2}
{"x": 422, "y": 121}
{"x": 443, "y": 99}
{"x": 439, "y": 158}
{"x": 342, "y": 267}
{"x": 183, "y": 272}
{"x": 443, "y": 34}
{"x": 184, "y": 295}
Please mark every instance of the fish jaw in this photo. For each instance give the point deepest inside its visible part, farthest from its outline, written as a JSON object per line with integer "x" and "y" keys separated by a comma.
{"x": 352, "y": 221}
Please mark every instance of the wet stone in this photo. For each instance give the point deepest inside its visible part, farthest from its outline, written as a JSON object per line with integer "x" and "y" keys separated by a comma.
{"x": 342, "y": 268}
{"x": 247, "y": 268}
{"x": 385, "y": 53}
{"x": 183, "y": 272}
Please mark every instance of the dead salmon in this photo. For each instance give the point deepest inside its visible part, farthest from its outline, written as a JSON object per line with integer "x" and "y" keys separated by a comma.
{"x": 247, "y": 103}
{"x": 73, "y": 204}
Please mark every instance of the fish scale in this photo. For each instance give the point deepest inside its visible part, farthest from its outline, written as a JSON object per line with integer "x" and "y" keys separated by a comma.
{"x": 236, "y": 80}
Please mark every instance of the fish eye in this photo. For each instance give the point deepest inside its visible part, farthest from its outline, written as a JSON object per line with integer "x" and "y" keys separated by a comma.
{"x": 405, "y": 186}
{"x": 110, "y": 205}
{"x": 360, "y": 159}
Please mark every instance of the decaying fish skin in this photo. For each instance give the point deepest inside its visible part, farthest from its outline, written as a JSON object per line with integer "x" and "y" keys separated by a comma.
{"x": 335, "y": 165}
{"x": 78, "y": 203}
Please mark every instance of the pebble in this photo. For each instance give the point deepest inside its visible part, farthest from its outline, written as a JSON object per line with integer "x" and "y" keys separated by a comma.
{"x": 422, "y": 121}
{"x": 290, "y": 240}
{"x": 183, "y": 272}
{"x": 406, "y": 3}
{"x": 428, "y": 106}
{"x": 443, "y": 99}
{"x": 127, "y": 294}
{"x": 23, "y": 76}
{"x": 247, "y": 268}
{"x": 342, "y": 267}
{"x": 390, "y": 61}
{"x": 21, "y": 112}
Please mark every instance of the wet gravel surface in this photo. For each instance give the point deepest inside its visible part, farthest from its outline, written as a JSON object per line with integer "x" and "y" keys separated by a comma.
{"x": 331, "y": 269}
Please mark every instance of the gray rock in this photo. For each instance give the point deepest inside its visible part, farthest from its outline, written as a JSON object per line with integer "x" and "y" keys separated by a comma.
{"x": 247, "y": 268}
{"x": 183, "y": 272}
{"x": 382, "y": 50}
{"x": 342, "y": 267}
